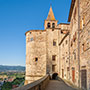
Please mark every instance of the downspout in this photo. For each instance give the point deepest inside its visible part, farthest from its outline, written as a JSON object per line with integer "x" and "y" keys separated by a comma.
{"x": 69, "y": 55}
{"x": 79, "y": 43}
{"x": 59, "y": 51}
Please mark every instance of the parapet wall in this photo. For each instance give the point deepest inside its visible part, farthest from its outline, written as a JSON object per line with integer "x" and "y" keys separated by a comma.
{"x": 37, "y": 85}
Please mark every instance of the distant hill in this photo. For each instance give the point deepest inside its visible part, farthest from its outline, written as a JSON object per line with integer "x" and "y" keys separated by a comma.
{"x": 11, "y": 68}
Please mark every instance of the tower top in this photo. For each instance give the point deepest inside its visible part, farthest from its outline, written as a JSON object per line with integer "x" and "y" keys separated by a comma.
{"x": 51, "y": 14}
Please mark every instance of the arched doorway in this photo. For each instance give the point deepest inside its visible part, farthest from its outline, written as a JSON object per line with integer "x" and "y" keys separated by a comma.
{"x": 54, "y": 76}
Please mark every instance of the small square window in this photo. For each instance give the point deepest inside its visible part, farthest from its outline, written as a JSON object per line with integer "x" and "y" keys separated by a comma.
{"x": 62, "y": 32}
{"x": 52, "y": 29}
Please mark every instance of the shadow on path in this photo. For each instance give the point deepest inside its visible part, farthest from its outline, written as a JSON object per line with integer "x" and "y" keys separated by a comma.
{"x": 58, "y": 85}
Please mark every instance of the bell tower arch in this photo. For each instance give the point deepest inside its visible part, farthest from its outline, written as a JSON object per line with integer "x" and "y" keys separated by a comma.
{"x": 50, "y": 22}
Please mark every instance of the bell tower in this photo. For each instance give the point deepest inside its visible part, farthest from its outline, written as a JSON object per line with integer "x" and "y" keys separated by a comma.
{"x": 50, "y": 22}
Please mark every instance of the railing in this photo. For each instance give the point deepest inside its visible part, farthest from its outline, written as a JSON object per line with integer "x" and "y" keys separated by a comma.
{"x": 37, "y": 85}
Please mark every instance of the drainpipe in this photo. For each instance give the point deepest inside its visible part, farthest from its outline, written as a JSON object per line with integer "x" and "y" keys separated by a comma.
{"x": 79, "y": 43}
{"x": 69, "y": 55}
{"x": 59, "y": 51}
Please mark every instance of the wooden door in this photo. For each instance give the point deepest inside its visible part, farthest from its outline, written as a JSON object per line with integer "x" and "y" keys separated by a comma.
{"x": 62, "y": 73}
{"x": 67, "y": 72}
{"x": 84, "y": 79}
{"x": 73, "y": 74}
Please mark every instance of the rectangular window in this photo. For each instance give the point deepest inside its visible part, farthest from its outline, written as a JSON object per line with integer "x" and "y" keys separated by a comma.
{"x": 71, "y": 43}
{"x": 53, "y": 57}
{"x": 63, "y": 45}
{"x": 54, "y": 42}
{"x": 74, "y": 37}
{"x": 68, "y": 69}
{"x": 31, "y": 39}
{"x": 84, "y": 46}
{"x": 53, "y": 68}
{"x": 82, "y": 22}
{"x": 66, "y": 41}
{"x": 74, "y": 56}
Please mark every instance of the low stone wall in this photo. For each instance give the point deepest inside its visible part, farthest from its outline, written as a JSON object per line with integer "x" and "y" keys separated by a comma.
{"x": 37, "y": 85}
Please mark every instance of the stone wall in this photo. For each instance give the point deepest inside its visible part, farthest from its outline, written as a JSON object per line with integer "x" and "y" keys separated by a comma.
{"x": 84, "y": 33}
{"x": 64, "y": 55}
{"x": 74, "y": 73}
{"x": 35, "y": 55}
{"x": 51, "y": 36}
{"x": 85, "y": 40}
{"x": 62, "y": 42}
{"x": 64, "y": 50}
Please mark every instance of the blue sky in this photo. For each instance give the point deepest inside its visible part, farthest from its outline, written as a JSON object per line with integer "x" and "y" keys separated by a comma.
{"x": 19, "y": 16}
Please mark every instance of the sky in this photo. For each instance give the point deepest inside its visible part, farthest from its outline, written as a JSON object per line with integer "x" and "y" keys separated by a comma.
{"x": 19, "y": 16}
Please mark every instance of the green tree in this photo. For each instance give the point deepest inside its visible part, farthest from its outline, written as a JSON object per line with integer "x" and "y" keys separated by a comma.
{"x": 6, "y": 86}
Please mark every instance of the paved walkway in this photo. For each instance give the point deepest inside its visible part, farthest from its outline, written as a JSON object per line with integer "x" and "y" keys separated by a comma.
{"x": 58, "y": 85}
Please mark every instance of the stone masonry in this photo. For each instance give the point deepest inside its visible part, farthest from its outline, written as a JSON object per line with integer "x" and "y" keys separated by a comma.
{"x": 61, "y": 48}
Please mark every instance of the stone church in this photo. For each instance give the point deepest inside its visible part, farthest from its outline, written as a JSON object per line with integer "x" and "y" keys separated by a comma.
{"x": 61, "y": 48}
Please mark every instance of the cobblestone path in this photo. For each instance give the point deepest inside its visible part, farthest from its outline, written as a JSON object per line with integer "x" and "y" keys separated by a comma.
{"x": 58, "y": 85}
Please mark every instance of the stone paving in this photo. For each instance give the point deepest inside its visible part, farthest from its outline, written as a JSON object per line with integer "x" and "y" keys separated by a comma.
{"x": 58, "y": 85}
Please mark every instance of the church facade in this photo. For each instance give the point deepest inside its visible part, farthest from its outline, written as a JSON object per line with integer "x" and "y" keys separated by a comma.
{"x": 61, "y": 48}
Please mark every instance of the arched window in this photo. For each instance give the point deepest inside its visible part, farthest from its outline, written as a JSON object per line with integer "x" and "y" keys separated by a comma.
{"x": 53, "y": 25}
{"x": 48, "y": 25}
{"x": 36, "y": 59}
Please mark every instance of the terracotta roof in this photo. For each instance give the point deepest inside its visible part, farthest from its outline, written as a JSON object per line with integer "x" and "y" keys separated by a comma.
{"x": 71, "y": 10}
{"x": 51, "y": 15}
{"x": 35, "y": 31}
{"x": 64, "y": 23}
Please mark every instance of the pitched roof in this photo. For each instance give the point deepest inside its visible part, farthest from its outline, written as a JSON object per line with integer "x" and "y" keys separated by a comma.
{"x": 51, "y": 15}
{"x": 71, "y": 10}
{"x": 35, "y": 31}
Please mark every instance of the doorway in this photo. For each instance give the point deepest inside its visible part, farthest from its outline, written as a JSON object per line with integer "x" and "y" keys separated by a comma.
{"x": 54, "y": 76}
{"x": 84, "y": 79}
{"x": 62, "y": 73}
{"x": 73, "y": 75}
